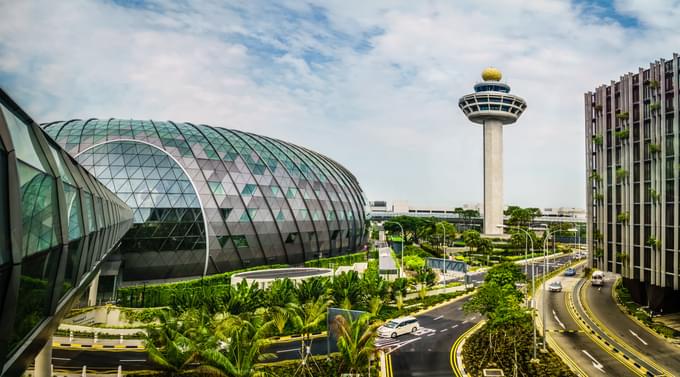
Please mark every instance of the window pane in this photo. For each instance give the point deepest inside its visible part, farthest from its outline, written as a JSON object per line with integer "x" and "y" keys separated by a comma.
{"x": 73, "y": 207}
{"x": 36, "y": 273}
{"x": 4, "y": 210}
{"x": 23, "y": 141}
{"x": 38, "y": 208}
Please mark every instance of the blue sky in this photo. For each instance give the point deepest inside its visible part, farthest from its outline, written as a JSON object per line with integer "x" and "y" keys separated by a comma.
{"x": 372, "y": 84}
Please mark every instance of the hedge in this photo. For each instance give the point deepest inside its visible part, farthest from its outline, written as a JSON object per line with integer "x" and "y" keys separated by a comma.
{"x": 342, "y": 260}
{"x": 145, "y": 296}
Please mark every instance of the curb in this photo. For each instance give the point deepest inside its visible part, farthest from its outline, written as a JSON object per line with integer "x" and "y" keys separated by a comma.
{"x": 624, "y": 310}
{"x": 603, "y": 343}
{"x": 98, "y": 346}
{"x": 443, "y": 303}
{"x": 288, "y": 338}
{"x": 455, "y": 355}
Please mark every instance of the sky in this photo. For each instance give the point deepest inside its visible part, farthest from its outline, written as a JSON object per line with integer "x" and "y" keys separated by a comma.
{"x": 372, "y": 84}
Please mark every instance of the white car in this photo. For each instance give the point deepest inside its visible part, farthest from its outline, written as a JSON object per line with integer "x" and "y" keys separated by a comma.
{"x": 555, "y": 286}
{"x": 399, "y": 326}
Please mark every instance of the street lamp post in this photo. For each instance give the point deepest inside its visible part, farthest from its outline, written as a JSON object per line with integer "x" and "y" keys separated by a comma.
{"x": 545, "y": 271}
{"x": 445, "y": 256}
{"x": 533, "y": 277}
{"x": 401, "y": 270}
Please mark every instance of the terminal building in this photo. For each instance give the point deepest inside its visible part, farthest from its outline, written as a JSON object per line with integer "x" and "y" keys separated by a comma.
{"x": 208, "y": 199}
{"x": 633, "y": 187}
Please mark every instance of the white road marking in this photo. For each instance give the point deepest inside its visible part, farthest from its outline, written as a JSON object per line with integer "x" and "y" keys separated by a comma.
{"x": 403, "y": 344}
{"x": 596, "y": 363}
{"x": 282, "y": 351}
{"x": 132, "y": 361}
{"x": 444, "y": 330}
{"x": 638, "y": 337}
{"x": 431, "y": 334}
{"x": 438, "y": 318}
{"x": 558, "y": 320}
{"x": 61, "y": 358}
{"x": 454, "y": 326}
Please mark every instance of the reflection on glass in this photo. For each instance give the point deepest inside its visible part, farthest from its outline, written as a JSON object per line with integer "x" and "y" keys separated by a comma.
{"x": 23, "y": 141}
{"x": 73, "y": 208}
{"x": 36, "y": 273}
{"x": 4, "y": 210}
{"x": 37, "y": 209}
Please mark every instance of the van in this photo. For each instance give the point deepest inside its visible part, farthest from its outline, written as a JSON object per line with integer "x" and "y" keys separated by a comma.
{"x": 395, "y": 327}
{"x": 597, "y": 278}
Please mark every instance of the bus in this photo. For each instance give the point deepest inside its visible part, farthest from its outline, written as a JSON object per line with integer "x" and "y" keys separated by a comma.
{"x": 597, "y": 278}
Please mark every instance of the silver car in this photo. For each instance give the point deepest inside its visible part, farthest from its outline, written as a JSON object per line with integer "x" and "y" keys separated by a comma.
{"x": 555, "y": 286}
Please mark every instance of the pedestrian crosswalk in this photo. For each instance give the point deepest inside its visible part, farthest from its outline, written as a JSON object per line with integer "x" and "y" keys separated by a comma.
{"x": 384, "y": 343}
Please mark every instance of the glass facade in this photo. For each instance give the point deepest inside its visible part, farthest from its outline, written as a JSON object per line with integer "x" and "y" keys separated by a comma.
{"x": 209, "y": 199}
{"x": 47, "y": 254}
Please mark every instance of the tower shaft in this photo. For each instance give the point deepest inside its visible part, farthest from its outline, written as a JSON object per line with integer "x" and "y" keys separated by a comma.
{"x": 493, "y": 176}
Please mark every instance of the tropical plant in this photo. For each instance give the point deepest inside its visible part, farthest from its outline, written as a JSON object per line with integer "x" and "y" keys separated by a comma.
{"x": 621, "y": 174}
{"x": 310, "y": 289}
{"x": 654, "y": 84}
{"x": 595, "y": 177}
{"x": 347, "y": 290}
{"x": 244, "y": 298}
{"x": 654, "y": 148}
{"x": 598, "y": 197}
{"x": 505, "y": 274}
{"x": 598, "y": 108}
{"x": 623, "y": 217}
{"x": 398, "y": 286}
{"x": 175, "y": 345}
{"x": 238, "y": 346}
{"x": 655, "y": 106}
{"x": 597, "y": 139}
{"x": 654, "y": 243}
{"x": 355, "y": 341}
{"x": 623, "y": 115}
{"x": 306, "y": 318}
{"x": 471, "y": 238}
{"x": 424, "y": 278}
{"x": 622, "y": 134}
{"x": 654, "y": 195}
{"x": 279, "y": 293}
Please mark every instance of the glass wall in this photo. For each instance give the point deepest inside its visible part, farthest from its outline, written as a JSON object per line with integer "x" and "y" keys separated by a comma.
{"x": 40, "y": 193}
{"x": 209, "y": 199}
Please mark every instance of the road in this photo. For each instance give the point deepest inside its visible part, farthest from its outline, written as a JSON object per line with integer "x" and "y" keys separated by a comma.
{"x": 566, "y": 333}
{"x": 428, "y": 351}
{"x": 74, "y": 359}
{"x": 603, "y": 309}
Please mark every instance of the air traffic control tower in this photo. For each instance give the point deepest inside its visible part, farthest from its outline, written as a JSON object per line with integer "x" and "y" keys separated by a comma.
{"x": 492, "y": 106}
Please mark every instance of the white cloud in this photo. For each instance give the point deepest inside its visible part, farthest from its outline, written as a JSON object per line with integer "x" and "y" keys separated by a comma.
{"x": 387, "y": 110}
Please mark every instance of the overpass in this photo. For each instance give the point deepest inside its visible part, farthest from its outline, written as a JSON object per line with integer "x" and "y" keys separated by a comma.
{"x": 57, "y": 225}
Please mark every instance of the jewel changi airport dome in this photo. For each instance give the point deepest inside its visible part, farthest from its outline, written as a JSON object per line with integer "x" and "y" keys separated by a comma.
{"x": 209, "y": 199}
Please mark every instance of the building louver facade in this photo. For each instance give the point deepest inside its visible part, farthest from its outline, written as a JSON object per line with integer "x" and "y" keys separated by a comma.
{"x": 633, "y": 189}
{"x": 209, "y": 199}
{"x": 57, "y": 225}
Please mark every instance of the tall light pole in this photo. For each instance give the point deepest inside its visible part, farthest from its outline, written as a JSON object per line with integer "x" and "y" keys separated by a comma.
{"x": 445, "y": 256}
{"x": 533, "y": 278}
{"x": 545, "y": 271}
{"x": 401, "y": 270}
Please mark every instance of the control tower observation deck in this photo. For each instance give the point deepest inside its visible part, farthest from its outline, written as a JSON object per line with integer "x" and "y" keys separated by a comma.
{"x": 492, "y": 106}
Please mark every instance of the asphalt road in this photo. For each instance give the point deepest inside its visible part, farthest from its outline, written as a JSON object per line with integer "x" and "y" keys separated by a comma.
{"x": 568, "y": 335}
{"x": 605, "y": 311}
{"x": 74, "y": 358}
{"x": 427, "y": 353}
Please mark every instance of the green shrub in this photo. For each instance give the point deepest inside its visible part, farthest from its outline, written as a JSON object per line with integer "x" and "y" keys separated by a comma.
{"x": 149, "y": 296}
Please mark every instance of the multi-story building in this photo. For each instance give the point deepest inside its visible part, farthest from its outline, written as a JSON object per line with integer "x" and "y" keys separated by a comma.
{"x": 633, "y": 168}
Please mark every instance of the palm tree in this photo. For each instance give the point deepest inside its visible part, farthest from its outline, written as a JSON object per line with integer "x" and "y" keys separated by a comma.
{"x": 306, "y": 318}
{"x": 311, "y": 289}
{"x": 355, "y": 341}
{"x": 347, "y": 289}
{"x": 175, "y": 345}
{"x": 424, "y": 277}
{"x": 238, "y": 347}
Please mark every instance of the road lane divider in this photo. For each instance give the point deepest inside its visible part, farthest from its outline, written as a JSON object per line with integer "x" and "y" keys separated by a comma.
{"x": 604, "y": 344}
{"x": 98, "y": 346}
{"x": 655, "y": 370}
{"x": 455, "y": 355}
